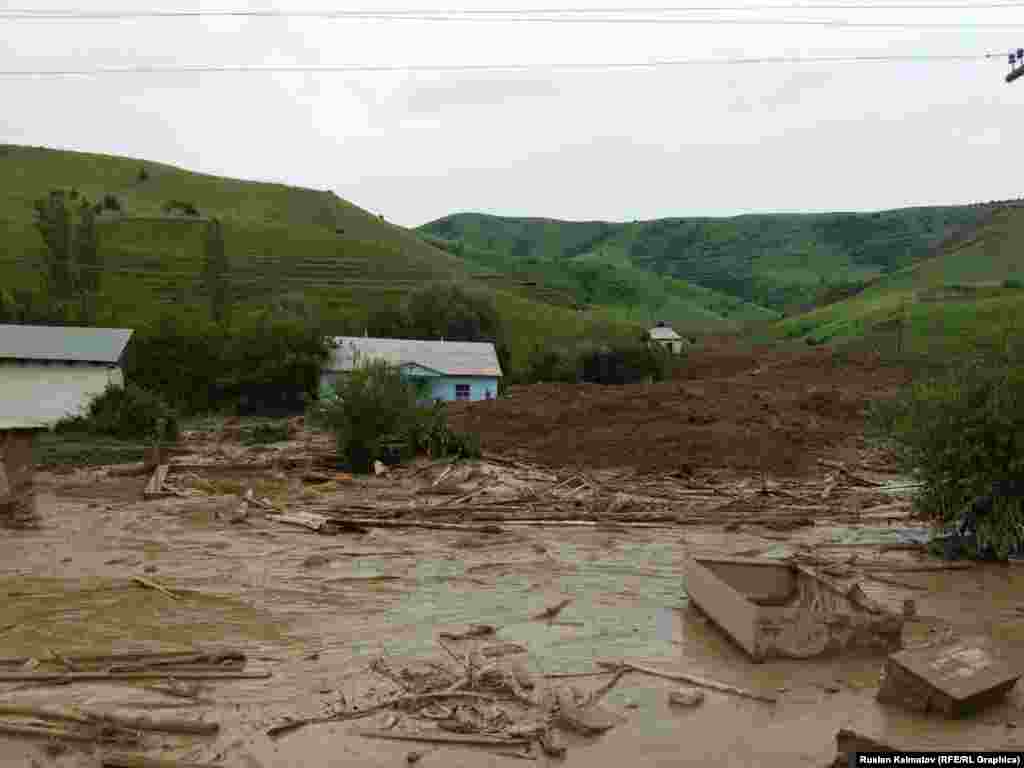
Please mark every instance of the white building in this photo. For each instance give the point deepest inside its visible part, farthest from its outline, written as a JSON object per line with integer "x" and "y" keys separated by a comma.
{"x": 48, "y": 372}
{"x": 666, "y": 337}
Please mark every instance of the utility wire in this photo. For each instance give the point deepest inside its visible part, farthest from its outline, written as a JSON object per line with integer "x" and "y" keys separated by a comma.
{"x": 384, "y": 68}
{"x": 73, "y": 15}
{"x": 652, "y": 20}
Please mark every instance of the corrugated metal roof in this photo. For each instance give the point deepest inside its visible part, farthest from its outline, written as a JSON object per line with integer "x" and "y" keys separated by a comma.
{"x": 664, "y": 334}
{"x": 452, "y": 358}
{"x": 48, "y": 342}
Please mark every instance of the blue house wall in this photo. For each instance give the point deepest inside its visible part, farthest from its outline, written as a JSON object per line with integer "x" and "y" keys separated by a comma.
{"x": 439, "y": 387}
{"x": 443, "y": 387}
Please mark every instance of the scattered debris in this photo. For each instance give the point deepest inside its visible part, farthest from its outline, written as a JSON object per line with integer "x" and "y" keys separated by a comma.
{"x": 686, "y": 697}
{"x": 553, "y": 611}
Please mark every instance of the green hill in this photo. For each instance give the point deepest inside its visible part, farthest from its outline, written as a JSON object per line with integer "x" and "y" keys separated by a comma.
{"x": 969, "y": 296}
{"x": 773, "y": 260}
{"x": 598, "y": 278}
{"x": 282, "y": 241}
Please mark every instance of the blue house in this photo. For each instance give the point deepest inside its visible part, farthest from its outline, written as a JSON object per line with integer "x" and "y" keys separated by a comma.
{"x": 448, "y": 370}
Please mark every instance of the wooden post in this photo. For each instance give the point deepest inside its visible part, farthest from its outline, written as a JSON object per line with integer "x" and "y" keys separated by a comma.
{"x": 18, "y": 508}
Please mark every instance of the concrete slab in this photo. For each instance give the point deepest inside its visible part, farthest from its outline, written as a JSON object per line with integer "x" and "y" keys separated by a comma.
{"x": 956, "y": 679}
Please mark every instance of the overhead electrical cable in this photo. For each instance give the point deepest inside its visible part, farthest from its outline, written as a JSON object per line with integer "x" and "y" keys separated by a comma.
{"x": 327, "y": 13}
{"x": 384, "y": 68}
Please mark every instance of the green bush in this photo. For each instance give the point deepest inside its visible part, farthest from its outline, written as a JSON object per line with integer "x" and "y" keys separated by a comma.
{"x": 375, "y": 406}
{"x": 960, "y": 432}
{"x": 1013, "y": 283}
{"x": 128, "y": 413}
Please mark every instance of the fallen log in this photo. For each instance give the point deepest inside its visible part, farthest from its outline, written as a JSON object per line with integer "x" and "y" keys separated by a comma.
{"x": 477, "y": 741}
{"x": 30, "y": 732}
{"x": 140, "y": 761}
{"x": 175, "y": 657}
{"x": 73, "y": 677}
{"x": 149, "y": 584}
{"x": 83, "y": 717}
{"x": 700, "y": 682}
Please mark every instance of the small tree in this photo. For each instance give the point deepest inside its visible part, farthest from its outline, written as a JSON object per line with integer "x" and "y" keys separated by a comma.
{"x": 373, "y": 402}
{"x": 962, "y": 433}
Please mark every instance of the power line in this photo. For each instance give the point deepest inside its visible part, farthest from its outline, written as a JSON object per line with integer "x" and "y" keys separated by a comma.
{"x": 469, "y": 13}
{"x": 667, "y": 21}
{"x": 385, "y": 68}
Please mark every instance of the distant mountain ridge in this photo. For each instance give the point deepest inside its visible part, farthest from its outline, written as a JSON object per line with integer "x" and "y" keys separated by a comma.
{"x": 774, "y": 260}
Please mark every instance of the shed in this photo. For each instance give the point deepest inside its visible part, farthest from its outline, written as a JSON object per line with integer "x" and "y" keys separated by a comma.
{"x": 448, "y": 370}
{"x": 46, "y": 372}
{"x": 666, "y": 337}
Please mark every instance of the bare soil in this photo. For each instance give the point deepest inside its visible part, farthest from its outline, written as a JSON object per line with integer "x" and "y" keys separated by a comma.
{"x": 747, "y": 410}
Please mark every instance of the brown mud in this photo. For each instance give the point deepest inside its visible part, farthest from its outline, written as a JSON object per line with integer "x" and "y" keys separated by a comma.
{"x": 766, "y": 409}
{"x": 316, "y": 611}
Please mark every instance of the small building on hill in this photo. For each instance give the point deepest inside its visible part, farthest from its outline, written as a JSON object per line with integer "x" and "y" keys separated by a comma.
{"x": 666, "y": 337}
{"x": 46, "y": 373}
{"x": 448, "y": 370}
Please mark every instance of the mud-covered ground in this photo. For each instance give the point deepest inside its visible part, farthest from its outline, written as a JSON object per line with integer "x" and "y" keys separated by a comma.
{"x": 606, "y": 525}
{"x": 315, "y": 611}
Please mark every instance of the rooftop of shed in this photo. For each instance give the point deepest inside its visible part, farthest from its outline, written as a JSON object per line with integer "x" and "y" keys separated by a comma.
{"x": 67, "y": 344}
{"x": 451, "y": 358}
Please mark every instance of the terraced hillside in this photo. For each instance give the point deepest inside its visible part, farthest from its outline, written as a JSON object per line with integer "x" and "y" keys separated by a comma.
{"x": 281, "y": 241}
{"x": 969, "y": 296}
{"x": 774, "y": 260}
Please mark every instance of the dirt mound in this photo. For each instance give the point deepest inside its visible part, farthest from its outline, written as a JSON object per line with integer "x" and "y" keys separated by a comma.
{"x": 776, "y": 410}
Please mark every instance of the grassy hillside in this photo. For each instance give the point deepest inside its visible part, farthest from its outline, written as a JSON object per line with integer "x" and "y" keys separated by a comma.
{"x": 775, "y": 260}
{"x": 967, "y": 297}
{"x": 604, "y": 279}
{"x": 282, "y": 242}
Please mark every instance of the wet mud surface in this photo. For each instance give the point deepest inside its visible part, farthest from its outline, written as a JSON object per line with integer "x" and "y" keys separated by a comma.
{"x": 607, "y": 525}
{"x": 315, "y": 611}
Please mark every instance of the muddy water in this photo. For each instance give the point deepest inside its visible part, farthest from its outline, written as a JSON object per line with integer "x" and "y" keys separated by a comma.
{"x": 317, "y": 623}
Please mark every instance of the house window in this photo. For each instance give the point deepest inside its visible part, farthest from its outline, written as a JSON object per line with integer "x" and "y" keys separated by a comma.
{"x": 462, "y": 391}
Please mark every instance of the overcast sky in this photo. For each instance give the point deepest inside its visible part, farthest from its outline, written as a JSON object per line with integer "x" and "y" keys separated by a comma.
{"x": 615, "y": 145}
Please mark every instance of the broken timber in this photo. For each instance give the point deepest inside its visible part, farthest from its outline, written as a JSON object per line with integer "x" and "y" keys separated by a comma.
{"x": 775, "y": 609}
{"x": 155, "y": 487}
{"x": 956, "y": 679}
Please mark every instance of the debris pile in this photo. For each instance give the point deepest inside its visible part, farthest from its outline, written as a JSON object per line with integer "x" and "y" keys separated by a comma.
{"x": 475, "y": 700}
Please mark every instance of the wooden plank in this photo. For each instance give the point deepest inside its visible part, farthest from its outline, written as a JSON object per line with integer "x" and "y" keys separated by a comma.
{"x": 155, "y": 485}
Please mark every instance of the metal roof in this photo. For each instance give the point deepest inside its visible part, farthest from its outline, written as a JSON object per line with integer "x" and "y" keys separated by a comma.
{"x": 664, "y": 333}
{"x": 451, "y": 358}
{"x": 49, "y": 342}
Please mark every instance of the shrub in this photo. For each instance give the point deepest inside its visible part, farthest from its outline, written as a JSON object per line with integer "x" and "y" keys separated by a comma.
{"x": 961, "y": 433}
{"x": 111, "y": 203}
{"x": 1013, "y": 283}
{"x": 128, "y": 413}
{"x": 375, "y": 405}
{"x": 181, "y": 207}
{"x": 143, "y": 174}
